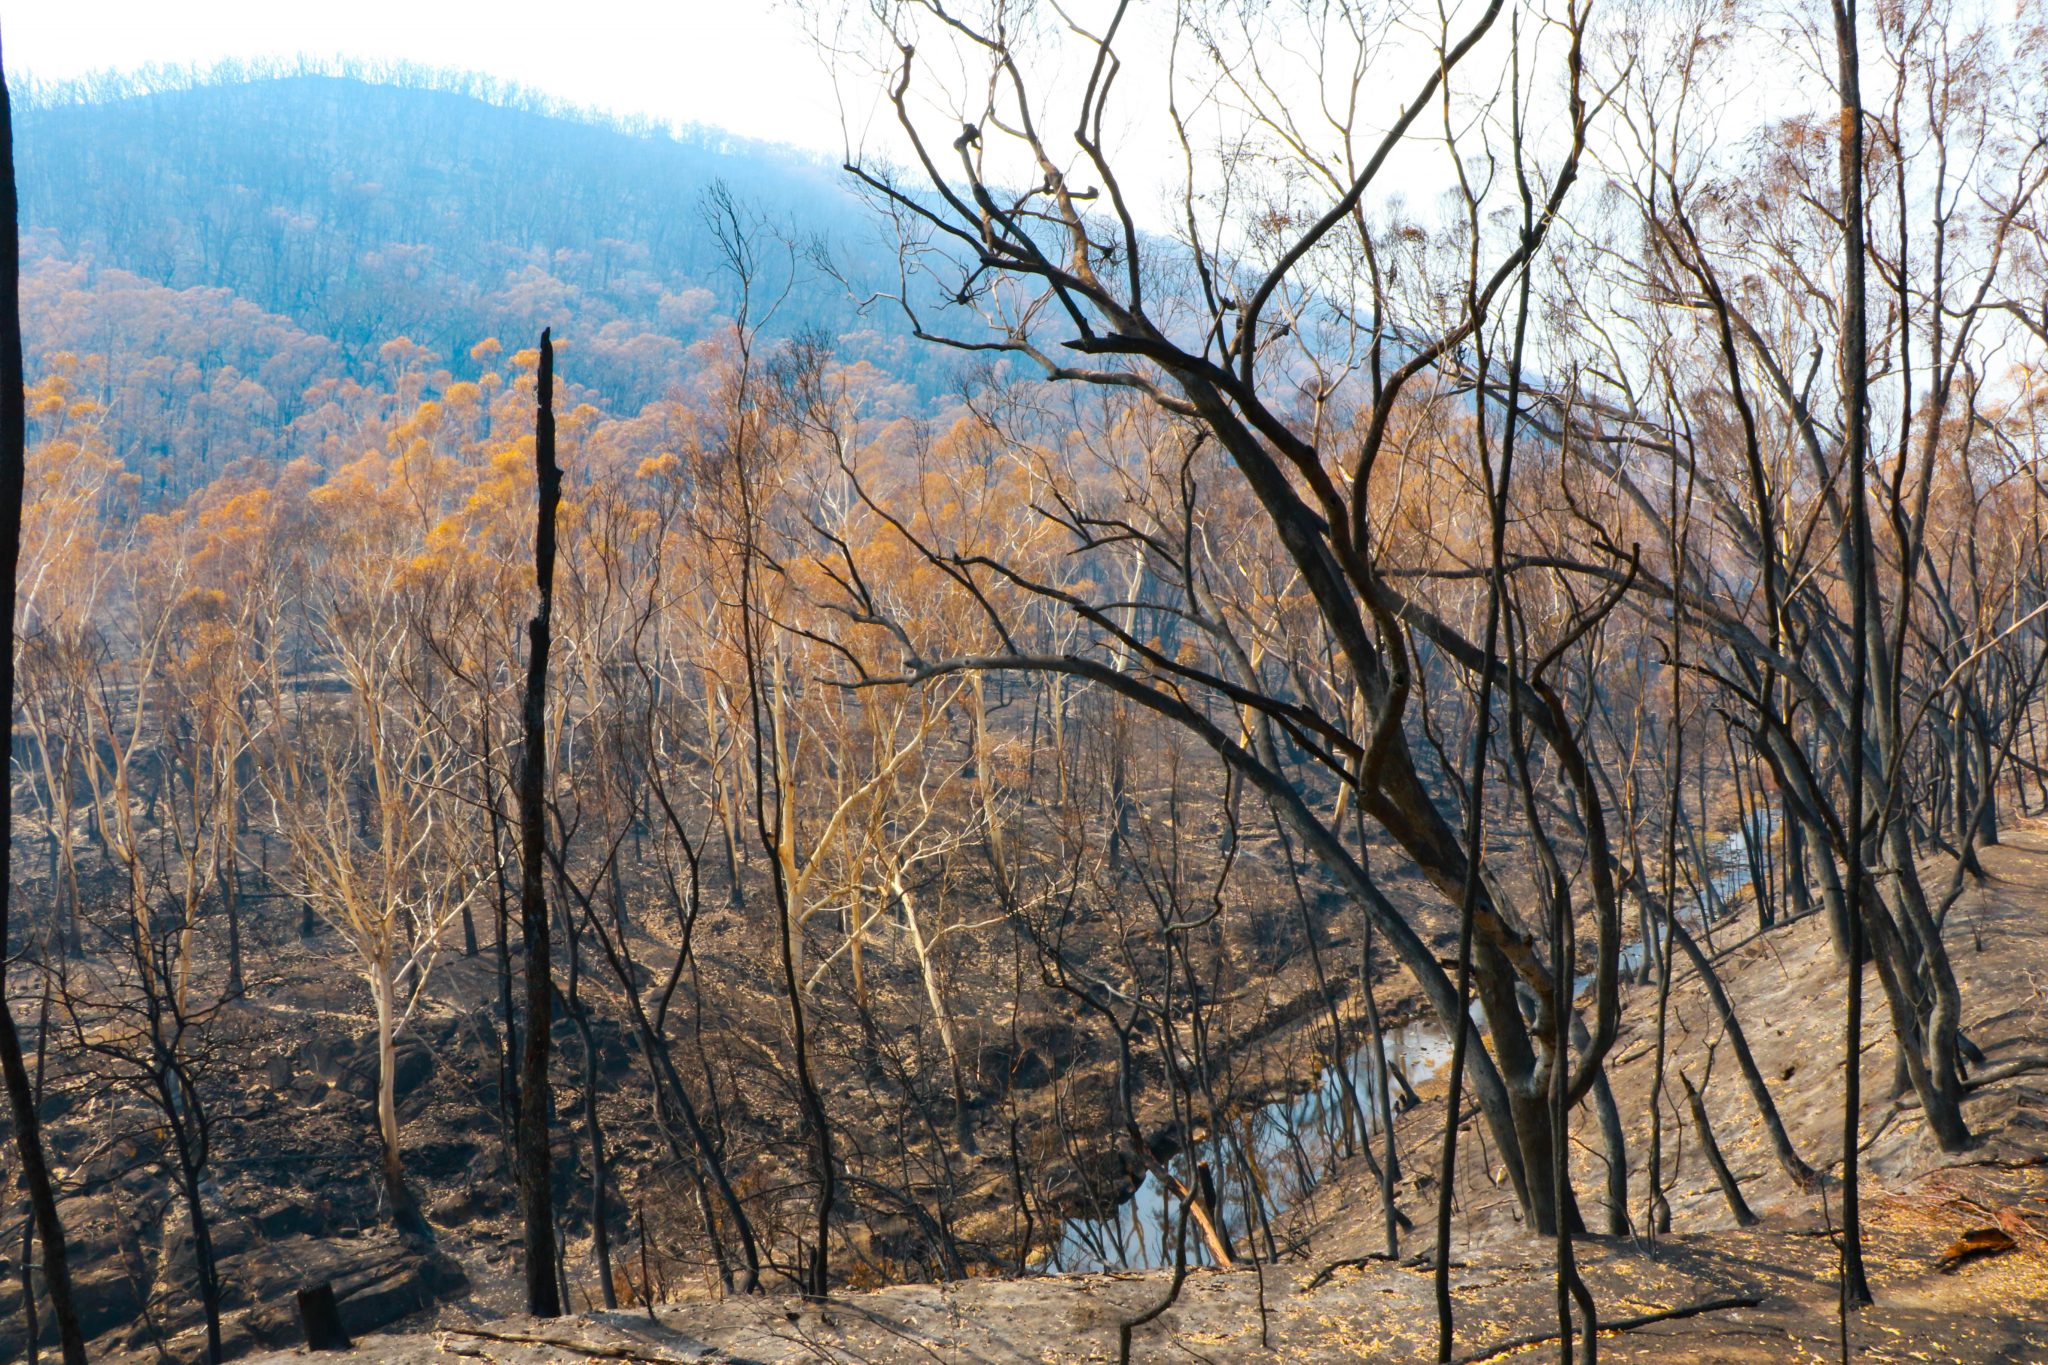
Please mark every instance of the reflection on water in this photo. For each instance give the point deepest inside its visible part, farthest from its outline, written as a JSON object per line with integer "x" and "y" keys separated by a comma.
{"x": 1292, "y": 1145}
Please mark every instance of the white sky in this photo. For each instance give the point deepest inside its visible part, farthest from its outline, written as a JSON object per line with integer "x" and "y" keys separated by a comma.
{"x": 743, "y": 65}
{"x": 747, "y": 66}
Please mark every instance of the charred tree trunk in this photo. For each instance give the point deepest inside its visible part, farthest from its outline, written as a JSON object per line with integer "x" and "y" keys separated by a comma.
{"x": 1731, "y": 1189}
{"x": 189, "y": 1145}
{"x": 228, "y": 877}
{"x": 671, "y": 1096}
{"x": 508, "y": 1015}
{"x": 1382, "y": 1094}
{"x": 28, "y": 1127}
{"x": 593, "y": 1126}
{"x": 593, "y": 1130}
{"x": 1788, "y": 1156}
{"x": 1985, "y": 814}
{"x": 1798, "y": 890}
{"x": 536, "y": 1169}
{"x": 1855, "y": 381}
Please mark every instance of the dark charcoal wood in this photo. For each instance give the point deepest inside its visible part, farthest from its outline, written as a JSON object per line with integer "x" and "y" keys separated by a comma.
{"x": 320, "y": 1315}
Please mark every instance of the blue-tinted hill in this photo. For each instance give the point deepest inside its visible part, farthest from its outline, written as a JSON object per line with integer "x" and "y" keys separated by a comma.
{"x": 443, "y": 209}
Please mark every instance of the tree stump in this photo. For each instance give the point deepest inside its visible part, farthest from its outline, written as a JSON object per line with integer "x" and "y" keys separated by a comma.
{"x": 320, "y": 1316}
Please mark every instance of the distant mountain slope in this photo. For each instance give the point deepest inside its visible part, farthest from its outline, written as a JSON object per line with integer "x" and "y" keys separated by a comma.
{"x": 362, "y": 212}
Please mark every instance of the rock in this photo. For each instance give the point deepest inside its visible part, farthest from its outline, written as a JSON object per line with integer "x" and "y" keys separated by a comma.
{"x": 411, "y": 1067}
{"x": 13, "y": 1327}
{"x": 270, "y": 1324}
{"x": 331, "y": 1059}
{"x": 231, "y": 1237}
{"x": 440, "y": 1160}
{"x": 381, "y": 1293}
{"x": 1033, "y": 1071}
{"x": 468, "y": 1202}
{"x": 1001, "y": 1066}
{"x": 281, "y": 1220}
{"x": 350, "y": 1064}
{"x": 88, "y": 1221}
{"x": 106, "y": 1297}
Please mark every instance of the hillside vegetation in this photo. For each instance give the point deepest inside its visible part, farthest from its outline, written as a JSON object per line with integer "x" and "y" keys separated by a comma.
{"x": 236, "y": 246}
{"x": 608, "y": 720}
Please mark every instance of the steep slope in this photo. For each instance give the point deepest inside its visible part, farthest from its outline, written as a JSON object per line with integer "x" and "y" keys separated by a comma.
{"x": 1707, "y": 1292}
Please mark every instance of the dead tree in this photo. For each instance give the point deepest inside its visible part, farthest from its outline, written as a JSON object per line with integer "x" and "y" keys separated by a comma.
{"x": 1731, "y": 1188}
{"x": 1855, "y": 372}
{"x": 132, "y": 1022}
{"x": 28, "y": 1132}
{"x": 1095, "y": 322}
{"x": 536, "y": 1170}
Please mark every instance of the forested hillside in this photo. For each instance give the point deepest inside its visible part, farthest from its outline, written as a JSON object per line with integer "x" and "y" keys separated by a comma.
{"x": 235, "y": 245}
{"x": 1415, "y": 694}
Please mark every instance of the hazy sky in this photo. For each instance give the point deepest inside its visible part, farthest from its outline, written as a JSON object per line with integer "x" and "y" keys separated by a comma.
{"x": 744, "y": 65}
{"x": 738, "y": 64}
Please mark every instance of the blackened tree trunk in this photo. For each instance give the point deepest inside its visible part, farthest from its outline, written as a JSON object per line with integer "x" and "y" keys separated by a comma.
{"x": 536, "y": 1170}
{"x": 593, "y": 1125}
{"x": 508, "y": 1051}
{"x": 1798, "y": 889}
{"x": 1731, "y": 1188}
{"x": 21, "y": 1097}
{"x": 1855, "y": 382}
{"x": 186, "y": 1123}
{"x": 1795, "y": 1167}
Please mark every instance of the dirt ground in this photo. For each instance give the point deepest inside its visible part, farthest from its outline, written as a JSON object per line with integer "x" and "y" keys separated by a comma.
{"x": 1764, "y": 1293}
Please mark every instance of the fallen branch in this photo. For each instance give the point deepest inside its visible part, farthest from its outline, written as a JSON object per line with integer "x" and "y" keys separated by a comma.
{"x": 1691, "y": 1310}
{"x": 2006, "y": 1070}
{"x": 1322, "y": 1277}
{"x": 2027, "y": 1064}
{"x": 1975, "y": 1245}
{"x": 579, "y": 1348}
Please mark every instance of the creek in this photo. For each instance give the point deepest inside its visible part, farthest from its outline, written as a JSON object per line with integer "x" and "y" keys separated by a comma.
{"x": 1293, "y": 1144}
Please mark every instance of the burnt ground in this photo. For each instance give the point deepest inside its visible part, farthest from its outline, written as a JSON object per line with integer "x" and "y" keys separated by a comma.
{"x": 287, "y": 1072}
{"x": 1782, "y": 1272}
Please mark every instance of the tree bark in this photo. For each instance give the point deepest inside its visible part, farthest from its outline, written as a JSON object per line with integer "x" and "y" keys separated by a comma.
{"x": 28, "y": 1127}
{"x": 536, "y": 1167}
{"x": 1731, "y": 1189}
{"x": 1855, "y": 380}
{"x": 1788, "y": 1156}
{"x": 405, "y": 1212}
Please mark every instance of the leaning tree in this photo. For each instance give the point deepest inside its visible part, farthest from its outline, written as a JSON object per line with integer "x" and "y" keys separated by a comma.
{"x": 1302, "y": 333}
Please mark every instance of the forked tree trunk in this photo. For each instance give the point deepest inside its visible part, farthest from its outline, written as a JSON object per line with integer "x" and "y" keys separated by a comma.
{"x": 1795, "y": 1166}
{"x": 935, "y": 996}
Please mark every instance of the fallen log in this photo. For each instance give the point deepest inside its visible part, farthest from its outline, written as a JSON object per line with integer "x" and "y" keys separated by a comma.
{"x": 1691, "y": 1310}
{"x": 590, "y": 1349}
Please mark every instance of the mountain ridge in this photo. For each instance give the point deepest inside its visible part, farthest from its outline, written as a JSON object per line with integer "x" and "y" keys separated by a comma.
{"x": 359, "y": 213}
